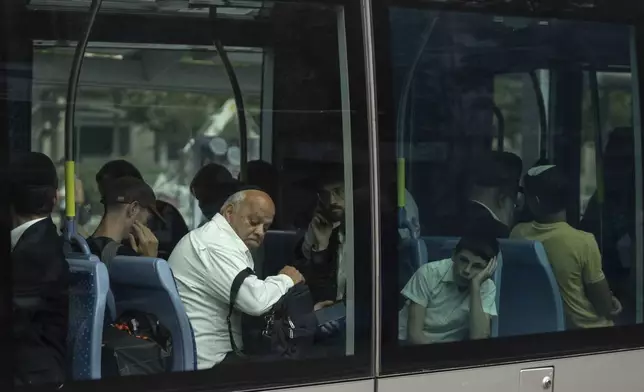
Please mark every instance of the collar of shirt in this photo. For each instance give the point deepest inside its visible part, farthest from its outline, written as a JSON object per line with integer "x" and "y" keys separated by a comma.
{"x": 20, "y": 230}
{"x": 487, "y": 208}
{"x": 225, "y": 227}
{"x": 447, "y": 272}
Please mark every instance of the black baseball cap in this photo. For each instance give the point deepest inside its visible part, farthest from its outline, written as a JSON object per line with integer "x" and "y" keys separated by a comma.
{"x": 126, "y": 190}
{"x": 322, "y": 175}
{"x": 497, "y": 169}
{"x": 32, "y": 170}
{"x": 116, "y": 169}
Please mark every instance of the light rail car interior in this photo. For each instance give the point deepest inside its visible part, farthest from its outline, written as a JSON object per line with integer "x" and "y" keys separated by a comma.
{"x": 459, "y": 185}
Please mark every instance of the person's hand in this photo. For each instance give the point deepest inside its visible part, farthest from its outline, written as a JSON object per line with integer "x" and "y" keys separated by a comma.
{"x": 617, "y": 307}
{"x": 485, "y": 274}
{"x": 322, "y": 230}
{"x": 143, "y": 241}
{"x": 292, "y": 273}
{"x": 330, "y": 328}
{"x": 322, "y": 305}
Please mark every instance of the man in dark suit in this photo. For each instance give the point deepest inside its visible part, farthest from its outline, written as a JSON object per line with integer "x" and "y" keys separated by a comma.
{"x": 40, "y": 273}
{"x": 492, "y": 197}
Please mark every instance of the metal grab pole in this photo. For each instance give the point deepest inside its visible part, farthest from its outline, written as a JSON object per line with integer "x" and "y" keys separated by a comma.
{"x": 237, "y": 94}
{"x": 70, "y": 108}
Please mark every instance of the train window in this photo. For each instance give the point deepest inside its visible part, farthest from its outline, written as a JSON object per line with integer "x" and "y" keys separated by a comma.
{"x": 167, "y": 120}
{"x": 287, "y": 192}
{"x": 503, "y": 128}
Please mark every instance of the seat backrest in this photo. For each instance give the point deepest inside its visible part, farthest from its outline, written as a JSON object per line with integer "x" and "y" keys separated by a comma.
{"x": 110, "y": 305}
{"x": 89, "y": 284}
{"x": 530, "y": 301}
{"x": 412, "y": 255}
{"x": 146, "y": 284}
{"x": 440, "y": 248}
{"x": 278, "y": 250}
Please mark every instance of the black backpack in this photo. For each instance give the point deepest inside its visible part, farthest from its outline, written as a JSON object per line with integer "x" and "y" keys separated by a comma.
{"x": 136, "y": 344}
{"x": 287, "y": 331}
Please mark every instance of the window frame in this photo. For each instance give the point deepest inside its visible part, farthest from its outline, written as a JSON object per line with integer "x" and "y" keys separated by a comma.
{"x": 396, "y": 360}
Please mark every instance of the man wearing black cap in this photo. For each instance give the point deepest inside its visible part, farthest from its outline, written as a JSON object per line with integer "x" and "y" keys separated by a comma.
{"x": 115, "y": 169}
{"x": 40, "y": 272}
{"x": 129, "y": 203}
{"x": 493, "y": 195}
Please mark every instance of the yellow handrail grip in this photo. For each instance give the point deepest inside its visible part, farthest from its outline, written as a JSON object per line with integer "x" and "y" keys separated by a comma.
{"x": 70, "y": 191}
{"x": 401, "y": 182}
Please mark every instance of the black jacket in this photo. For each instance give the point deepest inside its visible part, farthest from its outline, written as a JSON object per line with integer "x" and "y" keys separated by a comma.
{"x": 40, "y": 305}
{"x": 477, "y": 218}
{"x": 320, "y": 271}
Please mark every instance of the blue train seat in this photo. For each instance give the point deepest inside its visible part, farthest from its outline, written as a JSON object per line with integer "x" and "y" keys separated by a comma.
{"x": 146, "y": 284}
{"x": 277, "y": 251}
{"x": 89, "y": 285}
{"x": 530, "y": 300}
{"x": 412, "y": 255}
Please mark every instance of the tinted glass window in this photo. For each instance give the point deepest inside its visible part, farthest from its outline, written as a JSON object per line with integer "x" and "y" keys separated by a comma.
{"x": 505, "y": 129}
{"x": 155, "y": 92}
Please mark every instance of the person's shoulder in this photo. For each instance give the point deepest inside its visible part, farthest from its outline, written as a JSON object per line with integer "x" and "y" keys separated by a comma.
{"x": 520, "y": 230}
{"x": 587, "y": 238}
{"x": 436, "y": 269}
{"x": 96, "y": 245}
{"x": 577, "y": 236}
{"x": 213, "y": 237}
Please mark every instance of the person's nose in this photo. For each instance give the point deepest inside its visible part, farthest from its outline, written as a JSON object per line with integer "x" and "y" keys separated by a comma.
{"x": 260, "y": 232}
{"x": 467, "y": 270}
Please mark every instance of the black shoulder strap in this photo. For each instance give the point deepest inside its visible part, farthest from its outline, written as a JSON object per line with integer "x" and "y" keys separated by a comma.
{"x": 234, "y": 290}
{"x": 110, "y": 251}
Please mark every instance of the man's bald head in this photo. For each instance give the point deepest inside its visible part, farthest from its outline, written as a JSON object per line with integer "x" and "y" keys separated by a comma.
{"x": 250, "y": 214}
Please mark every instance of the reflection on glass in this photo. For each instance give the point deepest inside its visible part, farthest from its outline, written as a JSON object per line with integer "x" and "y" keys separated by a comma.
{"x": 535, "y": 117}
{"x": 160, "y": 202}
{"x": 185, "y": 119}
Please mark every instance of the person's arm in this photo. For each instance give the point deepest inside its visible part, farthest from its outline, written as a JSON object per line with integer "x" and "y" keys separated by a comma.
{"x": 480, "y": 320}
{"x": 255, "y": 296}
{"x": 317, "y": 237}
{"x": 40, "y": 275}
{"x": 416, "y": 324}
{"x": 594, "y": 280}
{"x": 418, "y": 292}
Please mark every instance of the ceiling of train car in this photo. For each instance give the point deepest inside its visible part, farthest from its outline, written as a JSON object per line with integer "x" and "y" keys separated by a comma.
{"x": 233, "y": 9}
{"x": 169, "y": 68}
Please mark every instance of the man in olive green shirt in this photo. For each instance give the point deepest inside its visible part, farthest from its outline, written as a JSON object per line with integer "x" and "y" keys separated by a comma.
{"x": 573, "y": 254}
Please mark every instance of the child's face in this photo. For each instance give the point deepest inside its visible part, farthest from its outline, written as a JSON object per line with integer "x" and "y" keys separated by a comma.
{"x": 466, "y": 266}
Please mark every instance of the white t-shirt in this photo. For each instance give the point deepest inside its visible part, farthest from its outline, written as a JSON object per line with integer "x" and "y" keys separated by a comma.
{"x": 448, "y": 308}
{"x": 205, "y": 263}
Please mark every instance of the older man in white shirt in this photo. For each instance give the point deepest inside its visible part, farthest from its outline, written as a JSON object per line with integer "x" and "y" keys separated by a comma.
{"x": 206, "y": 261}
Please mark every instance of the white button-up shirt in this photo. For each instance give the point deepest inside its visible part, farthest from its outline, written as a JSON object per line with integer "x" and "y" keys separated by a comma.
{"x": 448, "y": 308}
{"x": 205, "y": 263}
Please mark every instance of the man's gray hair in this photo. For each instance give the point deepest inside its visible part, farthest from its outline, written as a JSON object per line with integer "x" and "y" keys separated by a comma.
{"x": 234, "y": 199}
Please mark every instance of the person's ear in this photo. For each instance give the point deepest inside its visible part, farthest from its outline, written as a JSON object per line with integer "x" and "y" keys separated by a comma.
{"x": 133, "y": 209}
{"x": 228, "y": 211}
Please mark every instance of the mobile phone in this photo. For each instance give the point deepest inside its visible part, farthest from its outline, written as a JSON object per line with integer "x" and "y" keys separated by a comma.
{"x": 334, "y": 312}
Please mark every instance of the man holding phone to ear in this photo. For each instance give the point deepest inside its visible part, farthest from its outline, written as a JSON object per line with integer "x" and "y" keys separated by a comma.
{"x": 320, "y": 252}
